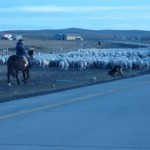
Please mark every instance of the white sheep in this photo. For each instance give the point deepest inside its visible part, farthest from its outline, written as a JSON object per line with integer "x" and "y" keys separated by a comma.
{"x": 63, "y": 64}
{"x": 82, "y": 65}
{"x": 45, "y": 63}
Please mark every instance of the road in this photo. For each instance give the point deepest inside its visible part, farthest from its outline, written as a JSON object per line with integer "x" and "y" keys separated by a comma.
{"x": 137, "y": 43}
{"x": 108, "y": 116}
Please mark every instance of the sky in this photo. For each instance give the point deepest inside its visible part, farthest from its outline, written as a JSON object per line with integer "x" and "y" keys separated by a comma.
{"x": 85, "y": 14}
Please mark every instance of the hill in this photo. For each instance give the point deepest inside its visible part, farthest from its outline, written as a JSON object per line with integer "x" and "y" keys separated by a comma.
{"x": 85, "y": 33}
{"x": 44, "y": 39}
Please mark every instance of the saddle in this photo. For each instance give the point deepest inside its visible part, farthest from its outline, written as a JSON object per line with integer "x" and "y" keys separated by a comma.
{"x": 26, "y": 61}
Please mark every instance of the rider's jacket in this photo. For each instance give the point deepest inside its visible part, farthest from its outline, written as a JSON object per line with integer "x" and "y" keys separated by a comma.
{"x": 20, "y": 49}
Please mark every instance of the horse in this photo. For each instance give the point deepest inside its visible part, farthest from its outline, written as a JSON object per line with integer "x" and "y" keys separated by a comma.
{"x": 18, "y": 63}
{"x": 115, "y": 71}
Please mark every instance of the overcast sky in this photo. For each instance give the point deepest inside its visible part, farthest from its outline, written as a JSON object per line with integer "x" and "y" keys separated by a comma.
{"x": 87, "y": 14}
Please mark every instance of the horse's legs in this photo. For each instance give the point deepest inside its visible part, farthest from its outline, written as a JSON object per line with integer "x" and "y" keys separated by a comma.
{"x": 8, "y": 78}
{"x": 24, "y": 77}
{"x": 10, "y": 72}
{"x": 27, "y": 73}
{"x": 17, "y": 78}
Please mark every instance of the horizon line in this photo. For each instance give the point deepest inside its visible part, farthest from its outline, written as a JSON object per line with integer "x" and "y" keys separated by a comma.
{"x": 73, "y": 28}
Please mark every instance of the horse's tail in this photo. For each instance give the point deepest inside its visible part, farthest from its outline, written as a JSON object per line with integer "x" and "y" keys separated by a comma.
{"x": 10, "y": 67}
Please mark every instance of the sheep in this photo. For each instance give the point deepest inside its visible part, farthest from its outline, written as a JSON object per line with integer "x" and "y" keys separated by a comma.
{"x": 82, "y": 65}
{"x": 2, "y": 60}
{"x": 83, "y": 59}
{"x": 147, "y": 60}
{"x": 63, "y": 64}
{"x": 36, "y": 62}
{"x": 129, "y": 65}
{"x": 45, "y": 63}
{"x": 145, "y": 64}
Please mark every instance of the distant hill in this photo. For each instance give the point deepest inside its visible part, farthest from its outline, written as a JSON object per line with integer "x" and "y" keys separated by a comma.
{"x": 85, "y": 33}
{"x": 44, "y": 39}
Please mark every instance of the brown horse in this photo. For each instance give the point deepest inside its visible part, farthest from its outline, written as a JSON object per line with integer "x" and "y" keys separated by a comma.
{"x": 17, "y": 63}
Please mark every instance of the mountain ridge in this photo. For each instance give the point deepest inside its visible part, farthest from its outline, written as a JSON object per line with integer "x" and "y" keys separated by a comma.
{"x": 85, "y": 33}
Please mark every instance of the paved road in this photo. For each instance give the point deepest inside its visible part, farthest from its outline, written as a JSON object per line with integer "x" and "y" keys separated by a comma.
{"x": 128, "y": 42}
{"x": 109, "y": 116}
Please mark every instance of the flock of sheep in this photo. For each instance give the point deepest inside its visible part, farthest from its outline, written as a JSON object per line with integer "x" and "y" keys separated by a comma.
{"x": 83, "y": 59}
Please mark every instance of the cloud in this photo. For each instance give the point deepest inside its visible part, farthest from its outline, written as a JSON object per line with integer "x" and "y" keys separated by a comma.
{"x": 106, "y": 18}
{"x": 79, "y": 9}
{"x": 72, "y": 8}
{"x": 130, "y": 26}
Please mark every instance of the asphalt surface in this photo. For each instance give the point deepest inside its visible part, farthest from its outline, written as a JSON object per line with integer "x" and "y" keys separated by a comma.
{"x": 113, "y": 115}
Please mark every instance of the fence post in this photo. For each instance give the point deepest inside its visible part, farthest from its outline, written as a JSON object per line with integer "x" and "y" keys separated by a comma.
{"x": 5, "y": 52}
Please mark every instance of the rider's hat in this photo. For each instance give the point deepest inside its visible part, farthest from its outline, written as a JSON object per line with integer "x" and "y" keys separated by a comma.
{"x": 20, "y": 40}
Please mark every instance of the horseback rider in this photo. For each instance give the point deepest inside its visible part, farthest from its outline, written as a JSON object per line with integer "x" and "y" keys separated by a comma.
{"x": 21, "y": 51}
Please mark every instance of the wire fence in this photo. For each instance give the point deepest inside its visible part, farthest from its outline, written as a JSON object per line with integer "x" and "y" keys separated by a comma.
{"x": 8, "y": 52}
{"x": 4, "y": 52}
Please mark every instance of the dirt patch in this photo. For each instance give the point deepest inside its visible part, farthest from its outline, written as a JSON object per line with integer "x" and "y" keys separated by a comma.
{"x": 44, "y": 81}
